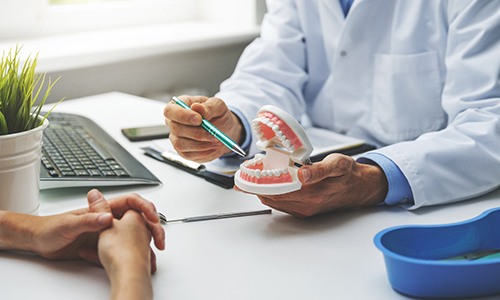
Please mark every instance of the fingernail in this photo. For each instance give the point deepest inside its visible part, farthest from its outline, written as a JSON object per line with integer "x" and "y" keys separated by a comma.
{"x": 93, "y": 195}
{"x": 104, "y": 219}
{"x": 306, "y": 174}
{"x": 195, "y": 120}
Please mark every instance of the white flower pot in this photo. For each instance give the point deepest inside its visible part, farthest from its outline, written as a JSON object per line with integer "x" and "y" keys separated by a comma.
{"x": 20, "y": 155}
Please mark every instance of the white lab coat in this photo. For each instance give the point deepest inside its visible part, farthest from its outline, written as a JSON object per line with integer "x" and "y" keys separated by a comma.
{"x": 418, "y": 78}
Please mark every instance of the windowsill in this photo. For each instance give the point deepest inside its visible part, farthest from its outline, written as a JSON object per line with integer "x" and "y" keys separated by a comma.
{"x": 88, "y": 49}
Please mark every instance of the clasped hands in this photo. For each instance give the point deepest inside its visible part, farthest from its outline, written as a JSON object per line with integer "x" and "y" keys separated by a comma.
{"x": 103, "y": 233}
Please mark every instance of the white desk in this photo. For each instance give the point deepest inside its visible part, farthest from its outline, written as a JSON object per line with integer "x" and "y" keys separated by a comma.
{"x": 259, "y": 257}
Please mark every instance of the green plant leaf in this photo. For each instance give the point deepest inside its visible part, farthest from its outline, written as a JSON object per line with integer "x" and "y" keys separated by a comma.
{"x": 3, "y": 124}
{"x": 21, "y": 99}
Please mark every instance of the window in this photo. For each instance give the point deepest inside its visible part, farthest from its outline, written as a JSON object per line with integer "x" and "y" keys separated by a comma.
{"x": 28, "y": 18}
{"x": 56, "y": 2}
{"x": 74, "y": 34}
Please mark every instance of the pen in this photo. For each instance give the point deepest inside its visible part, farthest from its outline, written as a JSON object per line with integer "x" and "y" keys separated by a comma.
{"x": 164, "y": 220}
{"x": 227, "y": 141}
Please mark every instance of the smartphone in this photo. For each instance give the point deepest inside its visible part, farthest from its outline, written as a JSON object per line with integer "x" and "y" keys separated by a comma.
{"x": 146, "y": 133}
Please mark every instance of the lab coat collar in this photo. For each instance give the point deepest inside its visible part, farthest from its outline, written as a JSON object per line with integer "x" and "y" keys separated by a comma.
{"x": 335, "y": 8}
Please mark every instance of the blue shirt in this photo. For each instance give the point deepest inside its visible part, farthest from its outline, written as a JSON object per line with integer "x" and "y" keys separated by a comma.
{"x": 346, "y": 5}
{"x": 399, "y": 190}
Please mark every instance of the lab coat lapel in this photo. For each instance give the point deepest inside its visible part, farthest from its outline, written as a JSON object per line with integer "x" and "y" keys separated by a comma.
{"x": 332, "y": 21}
{"x": 332, "y": 8}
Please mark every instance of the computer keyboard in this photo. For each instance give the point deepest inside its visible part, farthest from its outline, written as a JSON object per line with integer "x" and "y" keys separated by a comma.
{"x": 78, "y": 152}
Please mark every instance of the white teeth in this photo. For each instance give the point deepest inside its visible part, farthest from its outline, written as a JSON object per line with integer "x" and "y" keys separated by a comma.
{"x": 257, "y": 168}
{"x": 275, "y": 127}
{"x": 257, "y": 159}
{"x": 259, "y": 156}
{"x": 261, "y": 173}
{"x": 286, "y": 142}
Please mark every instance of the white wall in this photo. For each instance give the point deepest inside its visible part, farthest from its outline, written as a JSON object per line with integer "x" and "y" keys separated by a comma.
{"x": 174, "y": 72}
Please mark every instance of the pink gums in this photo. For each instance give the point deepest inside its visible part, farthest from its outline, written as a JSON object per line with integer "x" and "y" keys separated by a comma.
{"x": 268, "y": 133}
{"x": 265, "y": 179}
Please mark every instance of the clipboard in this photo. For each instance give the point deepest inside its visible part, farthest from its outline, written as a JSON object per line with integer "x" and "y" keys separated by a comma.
{"x": 225, "y": 181}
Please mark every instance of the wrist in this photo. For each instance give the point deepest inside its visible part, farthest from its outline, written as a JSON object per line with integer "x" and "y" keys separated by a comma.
{"x": 16, "y": 231}
{"x": 375, "y": 183}
{"x": 131, "y": 281}
{"x": 398, "y": 187}
{"x": 243, "y": 130}
{"x": 238, "y": 129}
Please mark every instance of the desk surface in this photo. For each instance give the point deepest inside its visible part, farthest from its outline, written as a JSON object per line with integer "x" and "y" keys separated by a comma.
{"x": 257, "y": 257}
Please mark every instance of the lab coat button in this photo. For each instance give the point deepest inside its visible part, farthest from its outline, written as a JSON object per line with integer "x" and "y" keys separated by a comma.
{"x": 343, "y": 53}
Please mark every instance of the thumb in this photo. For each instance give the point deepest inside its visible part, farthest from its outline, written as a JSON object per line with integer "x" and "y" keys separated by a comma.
{"x": 333, "y": 165}
{"x": 74, "y": 226}
{"x": 90, "y": 222}
{"x": 96, "y": 202}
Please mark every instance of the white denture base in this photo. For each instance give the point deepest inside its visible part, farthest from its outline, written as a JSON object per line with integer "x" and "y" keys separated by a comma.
{"x": 275, "y": 177}
{"x": 284, "y": 142}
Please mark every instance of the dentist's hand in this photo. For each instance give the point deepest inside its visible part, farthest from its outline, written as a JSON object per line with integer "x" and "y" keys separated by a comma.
{"x": 335, "y": 183}
{"x": 193, "y": 142}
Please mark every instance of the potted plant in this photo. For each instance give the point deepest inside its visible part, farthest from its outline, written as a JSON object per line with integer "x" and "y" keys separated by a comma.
{"x": 21, "y": 129}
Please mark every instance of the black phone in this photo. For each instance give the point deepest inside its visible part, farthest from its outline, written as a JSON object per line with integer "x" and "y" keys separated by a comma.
{"x": 146, "y": 133}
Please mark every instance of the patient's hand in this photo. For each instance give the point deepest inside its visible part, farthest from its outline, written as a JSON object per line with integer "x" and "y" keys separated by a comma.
{"x": 125, "y": 255}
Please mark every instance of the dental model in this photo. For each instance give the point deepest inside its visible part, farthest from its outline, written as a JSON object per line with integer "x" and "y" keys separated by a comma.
{"x": 285, "y": 143}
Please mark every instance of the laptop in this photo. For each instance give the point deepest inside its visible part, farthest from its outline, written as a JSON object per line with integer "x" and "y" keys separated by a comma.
{"x": 77, "y": 152}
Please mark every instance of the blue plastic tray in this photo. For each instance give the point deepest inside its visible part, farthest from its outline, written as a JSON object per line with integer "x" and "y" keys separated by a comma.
{"x": 428, "y": 261}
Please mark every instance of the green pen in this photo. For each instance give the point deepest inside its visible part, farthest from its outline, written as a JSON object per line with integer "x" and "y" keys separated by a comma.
{"x": 227, "y": 141}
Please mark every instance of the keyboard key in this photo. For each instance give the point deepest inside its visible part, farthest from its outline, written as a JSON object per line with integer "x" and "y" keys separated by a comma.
{"x": 70, "y": 151}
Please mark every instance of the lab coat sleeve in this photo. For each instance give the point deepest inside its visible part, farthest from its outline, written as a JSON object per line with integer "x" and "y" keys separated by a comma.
{"x": 463, "y": 160}
{"x": 271, "y": 68}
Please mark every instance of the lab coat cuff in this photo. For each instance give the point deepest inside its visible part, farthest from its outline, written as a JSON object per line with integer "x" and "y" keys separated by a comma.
{"x": 399, "y": 190}
{"x": 248, "y": 134}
